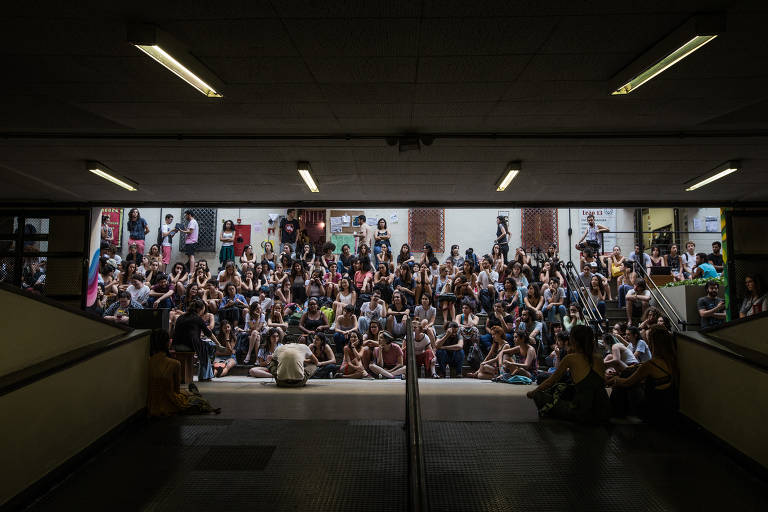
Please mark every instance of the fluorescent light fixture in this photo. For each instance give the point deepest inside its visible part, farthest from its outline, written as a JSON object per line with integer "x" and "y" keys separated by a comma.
{"x": 686, "y": 39}
{"x": 513, "y": 168}
{"x": 178, "y": 69}
{"x": 105, "y": 172}
{"x": 173, "y": 56}
{"x": 306, "y": 175}
{"x": 664, "y": 64}
{"x": 718, "y": 172}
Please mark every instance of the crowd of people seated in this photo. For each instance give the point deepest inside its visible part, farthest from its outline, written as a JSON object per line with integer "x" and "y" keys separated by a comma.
{"x": 351, "y": 309}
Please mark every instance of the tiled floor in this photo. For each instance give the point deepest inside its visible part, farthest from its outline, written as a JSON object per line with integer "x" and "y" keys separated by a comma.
{"x": 276, "y": 449}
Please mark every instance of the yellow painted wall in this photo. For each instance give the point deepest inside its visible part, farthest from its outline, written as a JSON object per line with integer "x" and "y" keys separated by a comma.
{"x": 32, "y": 331}
{"x": 657, "y": 218}
{"x": 726, "y": 397}
{"x": 48, "y": 422}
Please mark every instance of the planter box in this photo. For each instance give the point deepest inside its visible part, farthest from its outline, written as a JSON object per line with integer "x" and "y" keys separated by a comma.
{"x": 684, "y": 298}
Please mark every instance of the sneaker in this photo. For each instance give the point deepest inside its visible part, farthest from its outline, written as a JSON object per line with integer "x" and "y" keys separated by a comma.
{"x": 368, "y": 377}
{"x": 402, "y": 377}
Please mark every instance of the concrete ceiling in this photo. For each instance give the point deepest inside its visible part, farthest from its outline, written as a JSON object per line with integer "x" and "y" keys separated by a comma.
{"x": 327, "y": 81}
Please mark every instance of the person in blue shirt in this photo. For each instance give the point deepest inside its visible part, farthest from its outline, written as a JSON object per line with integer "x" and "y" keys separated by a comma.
{"x": 704, "y": 269}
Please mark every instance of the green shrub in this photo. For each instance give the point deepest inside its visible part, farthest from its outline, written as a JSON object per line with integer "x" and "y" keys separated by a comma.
{"x": 696, "y": 282}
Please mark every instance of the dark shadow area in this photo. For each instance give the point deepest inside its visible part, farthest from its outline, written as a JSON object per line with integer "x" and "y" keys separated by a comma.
{"x": 557, "y": 466}
{"x": 176, "y": 464}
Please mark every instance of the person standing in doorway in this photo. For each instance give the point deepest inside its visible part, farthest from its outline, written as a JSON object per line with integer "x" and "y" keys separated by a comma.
{"x": 502, "y": 236}
{"x": 289, "y": 230}
{"x": 137, "y": 229}
{"x": 190, "y": 243}
{"x": 166, "y": 232}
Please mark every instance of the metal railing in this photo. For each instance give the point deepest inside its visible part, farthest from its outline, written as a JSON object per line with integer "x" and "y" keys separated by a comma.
{"x": 666, "y": 307}
{"x": 589, "y": 306}
{"x": 417, "y": 485}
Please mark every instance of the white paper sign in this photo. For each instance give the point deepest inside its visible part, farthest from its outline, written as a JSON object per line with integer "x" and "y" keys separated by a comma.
{"x": 603, "y": 216}
{"x": 258, "y": 227}
{"x": 336, "y": 224}
{"x": 393, "y": 218}
{"x": 696, "y": 224}
{"x": 712, "y": 224}
{"x": 372, "y": 221}
{"x": 345, "y": 220}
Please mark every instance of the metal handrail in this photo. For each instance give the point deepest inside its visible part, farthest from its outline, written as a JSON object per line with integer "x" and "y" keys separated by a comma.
{"x": 669, "y": 310}
{"x": 586, "y": 299}
{"x": 573, "y": 284}
{"x": 417, "y": 485}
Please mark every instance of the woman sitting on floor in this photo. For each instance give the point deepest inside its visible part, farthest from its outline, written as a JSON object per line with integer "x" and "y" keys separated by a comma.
{"x": 225, "y": 358}
{"x": 264, "y": 355}
{"x": 326, "y": 359}
{"x": 352, "y": 365}
{"x": 651, "y": 391}
{"x": 586, "y": 399}
{"x": 519, "y": 359}
{"x": 489, "y": 368}
{"x": 165, "y": 396}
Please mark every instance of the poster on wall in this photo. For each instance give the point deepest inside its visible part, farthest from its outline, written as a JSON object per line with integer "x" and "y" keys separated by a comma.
{"x": 115, "y": 224}
{"x": 603, "y": 216}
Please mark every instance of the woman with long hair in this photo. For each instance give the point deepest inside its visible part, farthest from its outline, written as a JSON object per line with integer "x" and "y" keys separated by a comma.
{"x": 298, "y": 280}
{"x": 283, "y": 292}
{"x": 247, "y": 258}
{"x": 597, "y": 292}
{"x": 381, "y": 237}
{"x": 352, "y": 364}
{"x": 498, "y": 258}
{"x": 651, "y": 391}
{"x": 326, "y": 359}
{"x": 154, "y": 253}
{"x": 657, "y": 260}
{"x": 128, "y": 268}
{"x": 405, "y": 256}
{"x": 385, "y": 256}
{"x": 533, "y": 299}
{"x": 225, "y": 358}
{"x": 489, "y": 368}
{"x": 269, "y": 255}
{"x": 383, "y": 279}
{"x": 398, "y": 315}
{"x": 264, "y": 355}
{"x": 584, "y": 400}
{"x": 519, "y": 359}
{"x": 755, "y": 299}
{"x": 502, "y": 236}
{"x": 346, "y": 295}
{"x": 345, "y": 260}
{"x": 227, "y": 239}
{"x": 675, "y": 263}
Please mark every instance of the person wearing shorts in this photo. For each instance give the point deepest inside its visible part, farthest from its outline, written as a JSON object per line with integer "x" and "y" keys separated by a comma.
{"x": 423, "y": 341}
{"x": 190, "y": 243}
{"x": 167, "y": 231}
{"x": 137, "y": 229}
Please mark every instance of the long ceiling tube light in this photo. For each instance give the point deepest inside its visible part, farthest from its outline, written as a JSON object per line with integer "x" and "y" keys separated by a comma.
{"x": 162, "y": 47}
{"x": 685, "y": 40}
{"x": 513, "y": 169}
{"x": 105, "y": 172}
{"x": 721, "y": 171}
{"x": 305, "y": 171}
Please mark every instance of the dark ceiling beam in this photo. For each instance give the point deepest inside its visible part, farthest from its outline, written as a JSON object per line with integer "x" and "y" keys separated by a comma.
{"x": 382, "y": 136}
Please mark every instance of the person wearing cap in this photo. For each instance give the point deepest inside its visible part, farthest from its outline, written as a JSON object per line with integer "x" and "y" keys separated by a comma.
{"x": 589, "y": 270}
{"x": 119, "y": 311}
{"x": 106, "y": 277}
